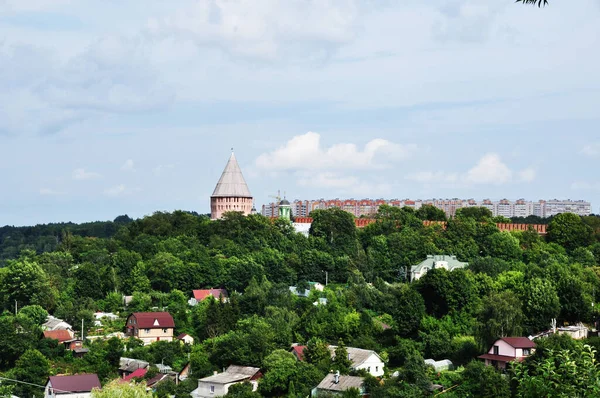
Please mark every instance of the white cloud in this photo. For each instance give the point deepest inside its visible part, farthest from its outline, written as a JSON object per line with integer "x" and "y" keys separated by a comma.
{"x": 304, "y": 152}
{"x": 50, "y": 192}
{"x": 527, "y": 175}
{"x": 128, "y": 165}
{"x": 489, "y": 170}
{"x": 591, "y": 149}
{"x": 81, "y": 174}
{"x": 116, "y": 190}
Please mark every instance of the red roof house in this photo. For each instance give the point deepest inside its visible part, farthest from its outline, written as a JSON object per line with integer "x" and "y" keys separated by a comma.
{"x": 508, "y": 349}
{"x": 150, "y": 326}
{"x": 298, "y": 351}
{"x": 61, "y": 335}
{"x": 136, "y": 373}
{"x": 202, "y": 294}
{"x": 71, "y": 385}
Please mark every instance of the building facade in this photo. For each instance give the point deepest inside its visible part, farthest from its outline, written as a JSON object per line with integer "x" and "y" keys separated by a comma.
{"x": 150, "y": 326}
{"x": 504, "y": 207}
{"x": 231, "y": 192}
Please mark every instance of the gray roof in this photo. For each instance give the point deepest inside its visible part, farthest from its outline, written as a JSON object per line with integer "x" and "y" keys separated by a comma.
{"x": 430, "y": 262}
{"x": 53, "y": 323}
{"x": 130, "y": 364}
{"x": 344, "y": 384}
{"x": 357, "y": 355}
{"x": 232, "y": 374}
{"x": 232, "y": 183}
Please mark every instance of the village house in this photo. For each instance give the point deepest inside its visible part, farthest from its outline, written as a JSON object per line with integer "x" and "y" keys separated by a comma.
{"x": 363, "y": 359}
{"x": 185, "y": 338}
{"x": 508, "y": 349}
{"x": 129, "y": 365}
{"x": 218, "y": 384}
{"x": 150, "y": 326}
{"x": 76, "y": 386}
{"x": 65, "y": 338}
{"x": 336, "y": 384}
{"x": 202, "y": 294}
{"x": 53, "y": 323}
{"x": 449, "y": 263}
{"x": 298, "y": 351}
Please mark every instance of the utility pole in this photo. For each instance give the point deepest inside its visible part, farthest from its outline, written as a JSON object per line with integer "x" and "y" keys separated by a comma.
{"x": 15, "y": 307}
{"x": 81, "y": 329}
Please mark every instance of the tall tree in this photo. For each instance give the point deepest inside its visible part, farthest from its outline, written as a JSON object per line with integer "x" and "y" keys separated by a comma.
{"x": 569, "y": 231}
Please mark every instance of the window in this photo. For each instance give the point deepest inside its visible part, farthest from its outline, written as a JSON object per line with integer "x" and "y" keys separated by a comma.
{"x": 369, "y": 369}
{"x": 147, "y": 331}
{"x": 526, "y": 351}
{"x": 164, "y": 330}
{"x": 212, "y": 389}
{"x": 496, "y": 350}
{"x": 376, "y": 368}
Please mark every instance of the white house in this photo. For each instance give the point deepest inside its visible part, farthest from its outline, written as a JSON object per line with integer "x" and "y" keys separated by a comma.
{"x": 363, "y": 359}
{"x": 508, "y": 349}
{"x": 218, "y": 384}
{"x": 76, "y": 386}
{"x": 449, "y": 263}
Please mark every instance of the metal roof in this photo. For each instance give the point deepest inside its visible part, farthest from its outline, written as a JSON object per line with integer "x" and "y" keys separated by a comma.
{"x": 232, "y": 183}
{"x": 345, "y": 383}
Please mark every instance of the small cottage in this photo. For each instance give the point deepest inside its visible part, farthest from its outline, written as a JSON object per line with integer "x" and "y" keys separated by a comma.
{"x": 508, "y": 349}
{"x": 363, "y": 359}
{"x": 76, "y": 386}
{"x": 218, "y": 384}
{"x": 336, "y": 384}
{"x": 150, "y": 326}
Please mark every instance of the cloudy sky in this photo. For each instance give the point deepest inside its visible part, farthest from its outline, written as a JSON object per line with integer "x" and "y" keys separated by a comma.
{"x": 127, "y": 107}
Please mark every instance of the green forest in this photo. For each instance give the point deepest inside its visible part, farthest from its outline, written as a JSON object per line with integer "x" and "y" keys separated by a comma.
{"x": 514, "y": 285}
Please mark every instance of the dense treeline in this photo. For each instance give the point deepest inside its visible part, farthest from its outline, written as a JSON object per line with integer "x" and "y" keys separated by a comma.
{"x": 515, "y": 284}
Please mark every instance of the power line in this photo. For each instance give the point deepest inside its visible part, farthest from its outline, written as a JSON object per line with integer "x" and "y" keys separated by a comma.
{"x": 33, "y": 384}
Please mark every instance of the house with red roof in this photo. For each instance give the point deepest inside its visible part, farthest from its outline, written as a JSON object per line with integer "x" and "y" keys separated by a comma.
{"x": 508, "y": 349}
{"x": 150, "y": 326}
{"x": 298, "y": 351}
{"x": 64, "y": 337}
{"x": 141, "y": 372}
{"x": 202, "y": 294}
{"x": 185, "y": 338}
{"x": 76, "y": 386}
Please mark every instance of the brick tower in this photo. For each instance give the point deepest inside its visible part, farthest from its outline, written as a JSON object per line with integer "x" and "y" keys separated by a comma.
{"x": 231, "y": 192}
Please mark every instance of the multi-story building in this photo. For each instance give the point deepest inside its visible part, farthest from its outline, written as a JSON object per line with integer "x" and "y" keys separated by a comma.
{"x": 504, "y": 207}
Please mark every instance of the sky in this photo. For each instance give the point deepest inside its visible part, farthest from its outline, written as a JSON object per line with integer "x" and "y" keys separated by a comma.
{"x": 129, "y": 107}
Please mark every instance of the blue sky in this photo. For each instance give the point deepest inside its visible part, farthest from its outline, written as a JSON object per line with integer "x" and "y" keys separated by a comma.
{"x": 112, "y": 107}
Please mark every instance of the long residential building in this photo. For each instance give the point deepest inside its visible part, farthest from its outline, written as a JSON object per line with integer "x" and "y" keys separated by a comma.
{"x": 504, "y": 207}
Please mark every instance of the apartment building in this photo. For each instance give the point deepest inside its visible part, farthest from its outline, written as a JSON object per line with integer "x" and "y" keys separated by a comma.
{"x": 504, "y": 207}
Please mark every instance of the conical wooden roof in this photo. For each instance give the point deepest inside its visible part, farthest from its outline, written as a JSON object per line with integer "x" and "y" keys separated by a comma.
{"x": 232, "y": 183}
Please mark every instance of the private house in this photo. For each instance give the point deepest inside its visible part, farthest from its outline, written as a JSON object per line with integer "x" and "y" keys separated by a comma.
{"x": 298, "y": 351}
{"x": 449, "y": 263}
{"x": 185, "y": 338}
{"x": 508, "y": 349}
{"x": 184, "y": 373}
{"x": 138, "y": 373}
{"x": 53, "y": 323}
{"x": 150, "y": 326}
{"x": 65, "y": 338}
{"x": 304, "y": 293}
{"x": 336, "y": 384}
{"x": 76, "y": 386}
{"x": 576, "y": 332}
{"x": 128, "y": 365}
{"x": 363, "y": 359}
{"x": 218, "y": 384}
{"x": 203, "y": 294}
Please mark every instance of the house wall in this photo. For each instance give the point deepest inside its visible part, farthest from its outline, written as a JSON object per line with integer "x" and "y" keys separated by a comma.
{"x": 203, "y": 390}
{"x": 149, "y": 336}
{"x": 373, "y": 365}
{"x": 503, "y": 349}
{"x": 47, "y": 393}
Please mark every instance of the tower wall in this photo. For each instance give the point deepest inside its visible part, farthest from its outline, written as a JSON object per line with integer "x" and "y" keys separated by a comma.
{"x": 220, "y": 205}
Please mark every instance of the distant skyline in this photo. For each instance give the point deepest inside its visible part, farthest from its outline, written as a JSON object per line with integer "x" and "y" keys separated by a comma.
{"x": 110, "y": 108}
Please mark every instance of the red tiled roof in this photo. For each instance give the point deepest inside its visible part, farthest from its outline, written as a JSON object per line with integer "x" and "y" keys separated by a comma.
{"x": 153, "y": 320}
{"x": 135, "y": 373}
{"x": 204, "y": 293}
{"x": 60, "y": 335}
{"x": 500, "y": 358}
{"x": 299, "y": 351}
{"x": 518, "y": 342}
{"x": 75, "y": 383}
{"x": 181, "y": 336}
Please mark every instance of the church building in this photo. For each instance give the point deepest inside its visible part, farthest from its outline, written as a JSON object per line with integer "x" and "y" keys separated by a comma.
{"x": 231, "y": 192}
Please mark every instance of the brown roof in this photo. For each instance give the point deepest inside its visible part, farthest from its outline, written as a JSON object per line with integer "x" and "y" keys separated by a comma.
{"x": 518, "y": 342}
{"x": 153, "y": 320}
{"x": 60, "y": 335}
{"x": 500, "y": 358}
{"x": 75, "y": 383}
